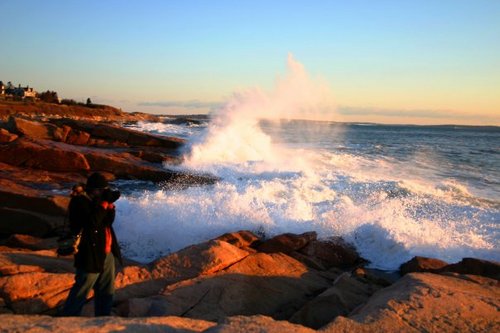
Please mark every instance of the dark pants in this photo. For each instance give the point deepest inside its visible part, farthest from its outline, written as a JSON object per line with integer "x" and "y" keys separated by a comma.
{"x": 103, "y": 285}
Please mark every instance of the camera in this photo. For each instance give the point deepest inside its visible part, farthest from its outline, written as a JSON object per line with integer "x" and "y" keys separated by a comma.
{"x": 110, "y": 195}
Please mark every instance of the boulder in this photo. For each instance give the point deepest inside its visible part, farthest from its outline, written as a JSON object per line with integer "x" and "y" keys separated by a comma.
{"x": 31, "y": 242}
{"x": 269, "y": 284}
{"x": 6, "y": 136}
{"x": 156, "y": 157}
{"x": 77, "y": 137}
{"x": 137, "y": 281}
{"x": 376, "y": 276}
{"x": 474, "y": 266}
{"x": 346, "y": 295}
{"x": 205, "y": 258}
{"x": 16, "y": 323}
{"x": 425, "y": 302}
{"x": 242, "y": 239}
{"x": 286, "y": 243}
{"x": 14, "y": 262}
{"x": 334, "y": 252}
{"x": 35, "y": 292}
{"x": 261, "y": 324}
{"x": 125, "y": 165}
{"x": 422, "y": 264}
{"x": 35, "y": 180}
{"x": 111, "y": 133}
{"x": 24, "y": 153}
{"x": 35, "y": 130}
{"x": 16, "y": 196}
{"x": 17, "y": 221}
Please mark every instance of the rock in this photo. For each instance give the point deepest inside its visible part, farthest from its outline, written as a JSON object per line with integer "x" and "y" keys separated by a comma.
{"x": 204, "y": 258}
{"x": 24, "y": 153}
{"x": 346, "y": 295}
{"x": 286, "y": 243}
{"x": 16, "y": 323}
{"x": 111, "y": 133}
{"x": 311, "y": 262}
{"x": 475, "y": 266}
{"x": 31, "y": 242}
{"x": 332, "y": 253}
{"x": 137, "y": 281}
{"x": 270, "y": 284}
{"x": 77, "y": 137}
{"x": 124, "y": 165}
{"x": 376, "y": 276}
{"x": 422, "y": 264}
{"x": 261, "y": 324}
{"x": 14, "y": 262}
{"x": 424, "y": 302}
{"x": 35, "y": 130}
{"x": 6, "y": 136}
{"x": 16, "y": 221}
{"x": 65, "y": 130}
{"x": 35, "y": 292}
{"x": 156, "y": 157}
{"x": 242, "y": 239}
{"x": 36, "y": 179}
{"x": 16, "y": 196}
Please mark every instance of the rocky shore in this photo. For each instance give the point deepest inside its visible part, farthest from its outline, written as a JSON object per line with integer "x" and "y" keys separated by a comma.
{"x": 237, "y": 282}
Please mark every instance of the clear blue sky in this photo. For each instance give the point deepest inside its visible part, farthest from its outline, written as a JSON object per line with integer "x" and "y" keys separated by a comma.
{"x": 388, "y": 61}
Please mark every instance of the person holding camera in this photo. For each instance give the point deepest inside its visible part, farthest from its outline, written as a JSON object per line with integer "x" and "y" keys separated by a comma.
{"x": 92, "y": 214}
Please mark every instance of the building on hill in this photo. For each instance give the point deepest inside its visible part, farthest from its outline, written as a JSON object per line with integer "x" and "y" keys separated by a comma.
{"x": 9, "y": 91}
{"x": 24, "y": 92}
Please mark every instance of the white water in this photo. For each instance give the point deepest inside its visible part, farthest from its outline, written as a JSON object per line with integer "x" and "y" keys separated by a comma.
{"x": 388, "y": 209}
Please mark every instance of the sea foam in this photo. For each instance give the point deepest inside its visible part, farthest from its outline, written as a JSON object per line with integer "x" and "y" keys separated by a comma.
{"x": 390, "y": 209}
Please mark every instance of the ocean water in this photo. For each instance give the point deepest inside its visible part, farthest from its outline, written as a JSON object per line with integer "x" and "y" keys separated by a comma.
{"x": 393, "y": 191}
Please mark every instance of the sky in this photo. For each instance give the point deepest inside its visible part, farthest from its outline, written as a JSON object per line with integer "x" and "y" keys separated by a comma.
{"x": 418, "y": 62}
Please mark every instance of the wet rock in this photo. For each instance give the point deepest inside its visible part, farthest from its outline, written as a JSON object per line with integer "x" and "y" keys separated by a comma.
{"x": 242, "y": 239}
{"x": 286, "y": 243}
{"x": 424, "y": 302}
{"x": 332, "y": 253}
{"x": 475, "y": 266}
{"x": 6, "y": 136}
{"x": 422, "y": 264}
{"x": 379, "y": 277}
{"x": 346, "y": 295}
{"x": 156, "y": 157}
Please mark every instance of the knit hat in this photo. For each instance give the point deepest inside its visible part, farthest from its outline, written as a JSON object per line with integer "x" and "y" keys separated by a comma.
{"x": 96, "y": 181}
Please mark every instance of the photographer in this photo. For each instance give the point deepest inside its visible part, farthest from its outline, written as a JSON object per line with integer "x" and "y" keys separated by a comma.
{"x": 92, "y": 215}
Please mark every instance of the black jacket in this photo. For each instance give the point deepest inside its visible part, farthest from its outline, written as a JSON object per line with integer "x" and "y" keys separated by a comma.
{"x": 92, "y": 219}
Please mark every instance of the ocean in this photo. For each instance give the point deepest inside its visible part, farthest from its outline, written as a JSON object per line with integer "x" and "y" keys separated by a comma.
{"x": 393, "y": 191}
